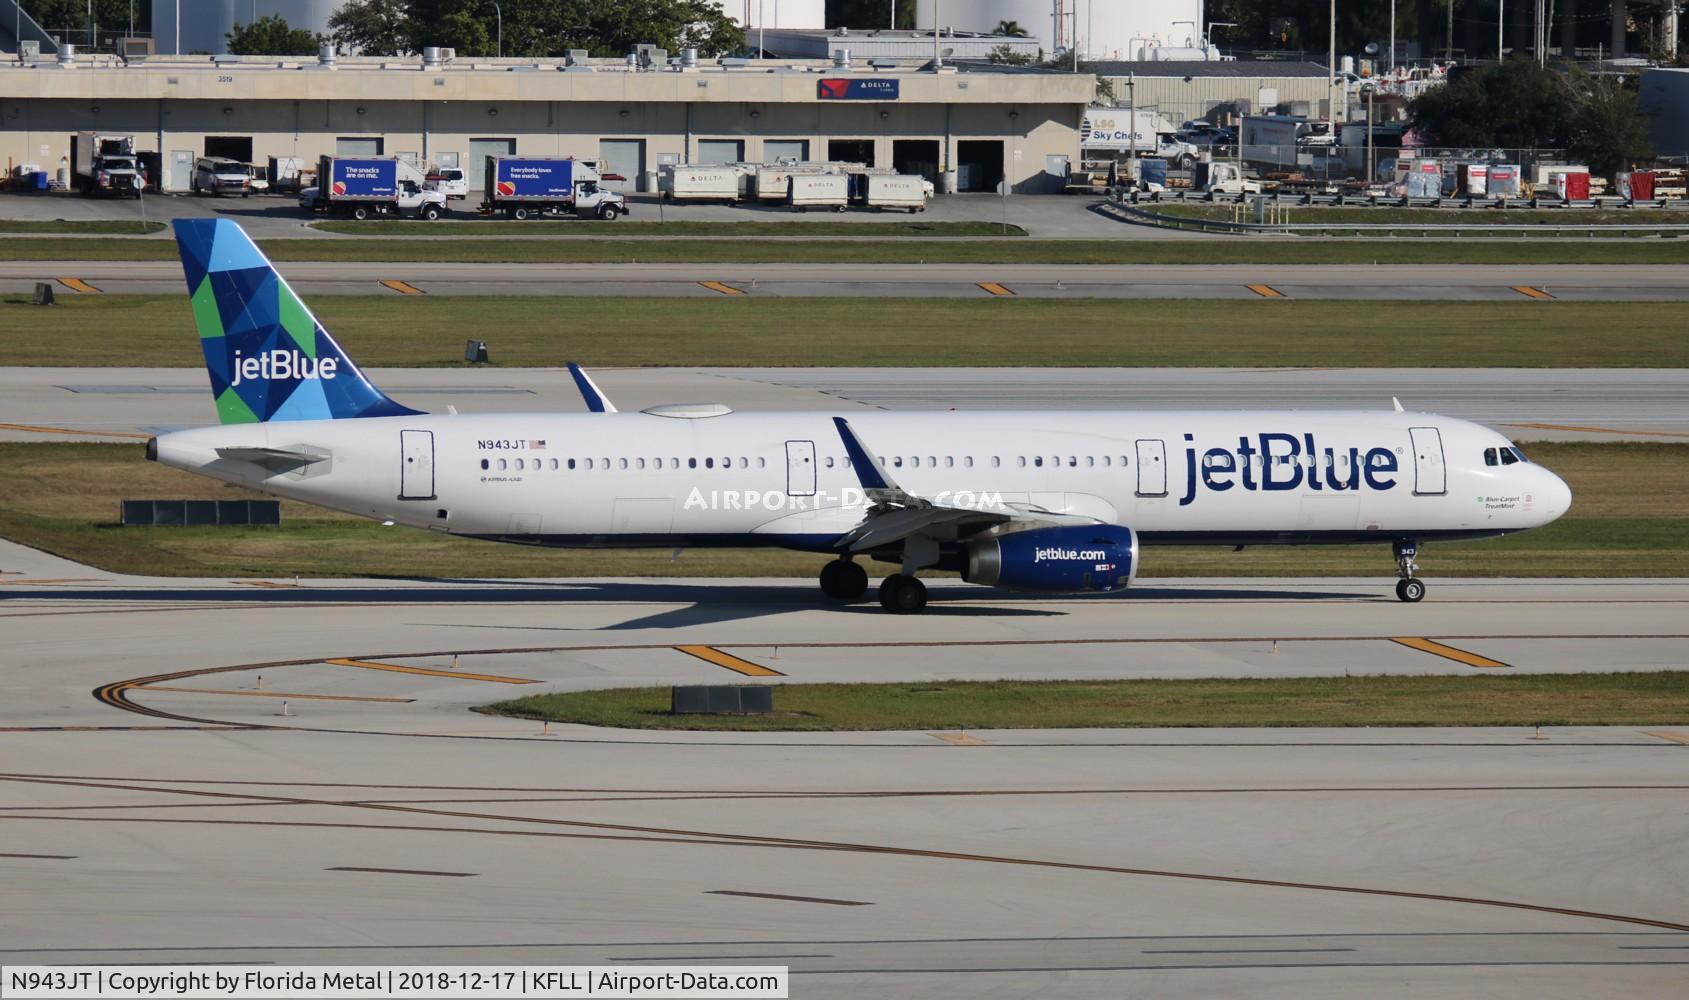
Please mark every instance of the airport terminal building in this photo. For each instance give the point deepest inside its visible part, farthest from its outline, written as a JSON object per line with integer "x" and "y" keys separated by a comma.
{"x": 976, "y": 124}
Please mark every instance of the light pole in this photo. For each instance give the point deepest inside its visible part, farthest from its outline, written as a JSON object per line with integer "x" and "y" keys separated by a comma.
{"x": 498, "y": 13}
{"x": 1500, "y": 30}
{"x": 1331, "y": 71}
{"x": 1392, "y": 36}
{"x": 1369, "y": 90}
{"x": 90, "y": 26}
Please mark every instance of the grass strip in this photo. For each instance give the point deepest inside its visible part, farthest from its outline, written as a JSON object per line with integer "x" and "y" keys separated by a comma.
{"x": 1520, "y": 700}
{"x": 650, "y": 227}
{"x": 423, "y": 331}
{"x": 1366, "y": 215}
{"x": 115, "y": 227}
{"x": 821, "y": 251}
{"x": 1627, "y": 520}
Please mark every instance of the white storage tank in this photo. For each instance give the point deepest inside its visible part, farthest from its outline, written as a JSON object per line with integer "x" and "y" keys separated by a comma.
{"x": 777, "y": 13}
{"x": 206, "y": 24}
{"x": 1106, "y": 29}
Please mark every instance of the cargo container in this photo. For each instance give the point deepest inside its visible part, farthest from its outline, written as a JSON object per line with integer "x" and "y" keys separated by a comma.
{"x": 807, "y": 191}
{"x": 1425, "y": 178}
{"x": 1570, "y": 185}
{"x": 528, "y": 187}
{"x": 105, "y": 164}
{"x": 1504, "y": 180}
{"x": 772, "y": 181}
{"x": 359, "y": 187}
{"x": 1474, "y": 179}
{"x": 687, "y": 183}
{"x": 885, "y": 191}
{"x": 1637, "y": 185}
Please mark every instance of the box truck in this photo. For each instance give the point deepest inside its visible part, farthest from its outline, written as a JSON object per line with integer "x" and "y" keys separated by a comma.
{"x": 105, "y": 164}
{"x": 807, "y": 191}
{"x": 359, "y": 187}
{"x": 528, "y": 187}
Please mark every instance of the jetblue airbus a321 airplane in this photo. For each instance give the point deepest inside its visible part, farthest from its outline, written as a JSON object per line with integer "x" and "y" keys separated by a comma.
{"x": 1056, "y": 502}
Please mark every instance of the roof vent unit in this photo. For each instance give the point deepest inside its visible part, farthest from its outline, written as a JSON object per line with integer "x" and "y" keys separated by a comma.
{"x": 689, "y": 58}
{"x": 579, "y": 57}
{"x": 67, "y": 56}
{"x": 883, "y": 63}
{"x": 841, "y": 58}
{"x": 689, "y": 411}
{"x": 430, "y": 57}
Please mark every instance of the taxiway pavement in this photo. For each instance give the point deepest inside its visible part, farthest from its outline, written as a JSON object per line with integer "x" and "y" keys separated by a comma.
{"x": 159, "y": 804}
{"x": 1526, "y": 404}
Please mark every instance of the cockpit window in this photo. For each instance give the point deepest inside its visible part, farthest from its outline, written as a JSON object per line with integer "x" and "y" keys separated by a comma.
{"x": 1509, "y": 457}
{"x": 1489, "y": 456}
{"x": 1518, "y": 454}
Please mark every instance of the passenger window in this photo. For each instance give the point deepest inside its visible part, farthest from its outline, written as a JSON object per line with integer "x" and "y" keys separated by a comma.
{"x": 1020, "y": 461}
{"x": 1489, "y": 456}
{"x": 709, "y": 463}
{"x": 501, "y": 465}
{"x": 623, "y": 463}
{"x": 761, "y": 462}
{"x": 1038, "y": 460}
{"x": 571, "y": 463}
{"x": 554, "y": 465}
{"x": 967, "y": 461}
{"x": 897, "y": 461}
{"x": 691, "y": 463}
{"x": 1123, "y": 461}
{"x": 949, "y": 461}
{"x": 1090, "y": 461}
{"x": 932, "y": 462}
{"x": 484, "y": 464}
{"x": 1073, "y": 461}
{"x": 519, "y": 464}
{"x": 914, "y": 461}
{"x": 829, "y": 461}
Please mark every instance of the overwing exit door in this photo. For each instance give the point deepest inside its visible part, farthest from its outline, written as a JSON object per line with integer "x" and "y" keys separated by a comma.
{"x": 1430, "y": 478}
{"x": 416, "y": 465}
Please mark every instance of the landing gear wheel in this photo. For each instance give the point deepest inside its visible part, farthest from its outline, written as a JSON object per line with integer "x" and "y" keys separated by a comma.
{"x": 902, "y": 595}
{"x": 1411, "y": 591}
{"x": 1408, "y": 589}
{"x": 844, "y": 580}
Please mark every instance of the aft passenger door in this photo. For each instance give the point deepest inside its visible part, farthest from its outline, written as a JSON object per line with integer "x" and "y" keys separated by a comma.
{"x": 1430, "y": 478}
{"x": 1152, "y": 468}
{"x": 800, "y": 468}
{"x": 416, "y": 465}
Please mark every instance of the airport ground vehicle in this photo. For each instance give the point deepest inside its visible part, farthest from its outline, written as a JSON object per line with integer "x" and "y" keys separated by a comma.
{"x": 686, "y": 183}
{"x": 366, "y": 187}
{"x": 106, "y": 164}
{"x": 528, "y": 187}
{"x": 1223, "y": 178}
{"x": 883, "y": 191}
{"x": 449, "y": 181}
{"x": 1122, "y": 131}
{"x": 220, "y": 175}
{"x": 1052, "y": 501}
{"x": 258, "y": 178}
{"x": 286, "y": 173}
{"x": 807, "y": 191}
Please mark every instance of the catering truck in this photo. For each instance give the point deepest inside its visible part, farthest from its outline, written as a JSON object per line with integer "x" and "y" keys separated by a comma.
{"x": 528, "y": 187}
{"x": 883, "y": 191}
{"x": 106, "y": 164}
{"x": 359, "y": 187}
{"x": 683, "y": 182}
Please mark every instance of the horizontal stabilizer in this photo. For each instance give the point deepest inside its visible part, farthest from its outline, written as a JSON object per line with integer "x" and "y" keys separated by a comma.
{"x": 275, "y": 459}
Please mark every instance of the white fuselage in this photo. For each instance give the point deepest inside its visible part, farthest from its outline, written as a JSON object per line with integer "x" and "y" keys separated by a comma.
{"x": 781, "y": 479}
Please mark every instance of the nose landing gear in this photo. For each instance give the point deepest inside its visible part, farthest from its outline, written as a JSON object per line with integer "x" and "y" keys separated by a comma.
{"x": 1408, "y": 588}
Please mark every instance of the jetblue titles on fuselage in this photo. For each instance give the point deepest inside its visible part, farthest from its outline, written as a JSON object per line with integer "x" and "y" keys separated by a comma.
{"x": 1277, "y": 457}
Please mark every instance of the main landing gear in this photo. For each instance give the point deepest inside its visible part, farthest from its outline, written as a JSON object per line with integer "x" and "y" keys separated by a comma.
{"x": 844, "y": 580}
{"x": 1408, "y": 588}
{"x": 902, "y": 594}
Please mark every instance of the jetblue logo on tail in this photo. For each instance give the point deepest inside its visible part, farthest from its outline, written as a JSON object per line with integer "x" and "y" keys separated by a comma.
{"x": 283, "y": 365}
{"x": 1280, "y": 462}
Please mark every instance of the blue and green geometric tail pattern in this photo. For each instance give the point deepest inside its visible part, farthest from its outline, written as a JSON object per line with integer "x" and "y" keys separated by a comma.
{"x": 268, "y": 357}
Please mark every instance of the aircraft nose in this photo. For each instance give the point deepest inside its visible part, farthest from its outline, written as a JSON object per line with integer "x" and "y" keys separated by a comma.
{"x": 1554, "y": 497}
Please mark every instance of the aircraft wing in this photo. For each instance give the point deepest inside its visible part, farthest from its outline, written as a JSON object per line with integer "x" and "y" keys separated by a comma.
{"x": 897, "y": 514}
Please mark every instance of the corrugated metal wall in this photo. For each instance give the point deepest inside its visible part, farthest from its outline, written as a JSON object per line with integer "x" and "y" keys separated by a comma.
{"x": 1181, "y": 101}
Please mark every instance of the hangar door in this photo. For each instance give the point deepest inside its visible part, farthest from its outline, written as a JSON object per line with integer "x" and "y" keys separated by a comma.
{"x": 235, "y": 147}
{"x": 416, "y": 465}
{"x": 625, "y": 158}
{"x": 719, "y": 151}
{"x": 479, "y": 150}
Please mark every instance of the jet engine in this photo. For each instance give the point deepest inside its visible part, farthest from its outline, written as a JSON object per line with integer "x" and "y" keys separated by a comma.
{"x": 1061, "y": 560}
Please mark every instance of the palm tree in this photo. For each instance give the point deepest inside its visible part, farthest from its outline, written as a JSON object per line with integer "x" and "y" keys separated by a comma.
{"x": 1012, "y": 29}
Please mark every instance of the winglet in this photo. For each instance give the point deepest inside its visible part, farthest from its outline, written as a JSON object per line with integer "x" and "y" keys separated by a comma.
{"x": 1396, "y": 403}
{"x": 868, "y": 471}
{"x": 596, "y": 401}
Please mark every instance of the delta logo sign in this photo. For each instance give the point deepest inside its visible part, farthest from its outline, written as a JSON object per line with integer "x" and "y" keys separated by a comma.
{"x": 840, "y": 89}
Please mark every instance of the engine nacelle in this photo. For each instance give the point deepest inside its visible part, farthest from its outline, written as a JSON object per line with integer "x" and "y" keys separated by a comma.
{"x": 1067, "y": 560}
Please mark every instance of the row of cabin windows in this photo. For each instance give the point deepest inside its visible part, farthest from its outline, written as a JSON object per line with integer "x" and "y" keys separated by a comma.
{"x": 1257, "y": 459}
{"x": 897, "y": 462}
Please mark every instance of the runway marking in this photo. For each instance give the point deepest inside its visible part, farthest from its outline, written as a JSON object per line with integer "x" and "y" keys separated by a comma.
{"x": 722, "y": 287}
{"x": 996, "y": 289}
{"x": 403, "y": 287}
{"x": 789, "y": 899}
{"x": 710, "y": 654}
{"x": 37, "y": 429}
{"x": 1529, "y": 292}
{"x": 1266, "y": 291}
{"x": 1671, "y": 737}
{"x": 1598, "y": 430}
{"x": 400, "y": 871}
{"x": 30, "y": 581}
{"x": 1448, "y": 652}
{"x": 42, "y": 857}
{"x": 78, "y": 285}
{"x": 959, "y": 739}
{"x": 426, "y": 672}
{"x": 283, "y": 694}
{"x": 271, "y": 584}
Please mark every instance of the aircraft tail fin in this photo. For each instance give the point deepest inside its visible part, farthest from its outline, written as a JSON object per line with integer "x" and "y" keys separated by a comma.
{"x": 268, "y": 357}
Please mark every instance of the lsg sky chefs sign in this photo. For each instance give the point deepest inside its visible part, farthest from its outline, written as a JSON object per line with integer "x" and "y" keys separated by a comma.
{"x": 856, "y": 90}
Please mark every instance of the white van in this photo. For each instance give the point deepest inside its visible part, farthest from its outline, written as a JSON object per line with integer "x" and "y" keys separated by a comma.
{"x": 449, "y": 181}
{"x": 220, "y": 175}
